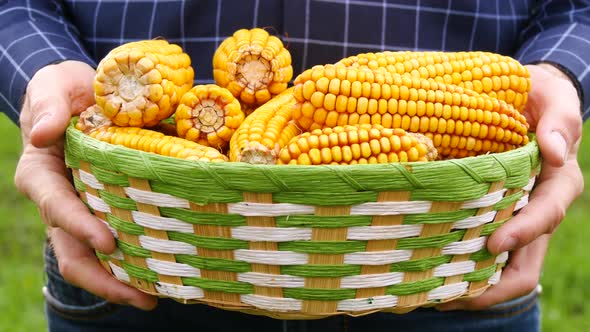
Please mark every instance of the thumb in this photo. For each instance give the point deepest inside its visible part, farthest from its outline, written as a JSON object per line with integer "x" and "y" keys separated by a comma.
{"x": 54, "y": 94}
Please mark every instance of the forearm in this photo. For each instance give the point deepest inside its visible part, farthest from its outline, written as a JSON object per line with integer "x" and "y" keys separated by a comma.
{"x": 32, "y": 37}
{"x": 558, "y": 35}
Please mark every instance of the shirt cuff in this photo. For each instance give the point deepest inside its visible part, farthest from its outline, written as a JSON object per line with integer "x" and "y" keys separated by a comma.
{"x": 566, "y": 47}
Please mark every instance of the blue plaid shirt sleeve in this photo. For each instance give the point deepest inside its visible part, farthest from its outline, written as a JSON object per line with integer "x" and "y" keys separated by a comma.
{"x": 559, "y": 33}
{"x": 33, "y": 34}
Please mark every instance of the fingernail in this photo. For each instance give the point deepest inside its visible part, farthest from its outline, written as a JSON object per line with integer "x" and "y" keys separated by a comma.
{"x": 508, "y": 244}
{"x": 558, "y": 144}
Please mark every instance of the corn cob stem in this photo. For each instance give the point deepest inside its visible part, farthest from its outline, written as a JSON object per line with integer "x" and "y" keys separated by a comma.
{"x": 91, "y": 119}
{"x": 140, "y": 83}
{"x": 358, "y": 144}
{"x": 156, "y": 142}
{"x": 253, "y": 65}
{"x": 208, "y": 115}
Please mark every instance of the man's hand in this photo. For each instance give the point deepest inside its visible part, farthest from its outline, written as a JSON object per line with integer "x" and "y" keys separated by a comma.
{"x": 553, "y": 111}
{"x": 54, "y": 94}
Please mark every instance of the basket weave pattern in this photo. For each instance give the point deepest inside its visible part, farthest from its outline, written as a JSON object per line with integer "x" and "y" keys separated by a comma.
{"x": 302, "y": 242}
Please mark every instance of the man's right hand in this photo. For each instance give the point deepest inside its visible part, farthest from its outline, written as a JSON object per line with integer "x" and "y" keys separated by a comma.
{"x": 54, "y": 94}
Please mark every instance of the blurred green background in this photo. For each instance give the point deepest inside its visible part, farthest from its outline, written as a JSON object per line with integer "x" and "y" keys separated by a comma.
{"x": 565, "y": 278}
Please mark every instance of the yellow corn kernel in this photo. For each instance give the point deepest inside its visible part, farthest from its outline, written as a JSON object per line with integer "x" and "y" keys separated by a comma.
{"x": 209, "y": 115}
{"x": 360, "y": 144}
{"x": 253, "y": 65}
{"x": 155, "y": 142}
{"x": 140, "y": 83}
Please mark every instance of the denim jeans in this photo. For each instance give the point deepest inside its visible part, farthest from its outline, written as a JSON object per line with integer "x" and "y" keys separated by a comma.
{"x": 69, "y": 308}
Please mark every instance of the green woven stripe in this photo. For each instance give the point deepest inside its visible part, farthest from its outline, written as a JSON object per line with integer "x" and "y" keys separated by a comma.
{"x": 217, "y": 285}
{"x": 102, "y": 256}
{"x": 322, "y": 221}
{"x": 310, "y": 270}
{"x": 325, "y": 198}
{"x": 508, "y": 200}
{"x": 79, "y": 185}
{"x": 408, "y": 288}
{"x": 132, "y": 250}
{"x": 319, "y": 294}
{"x": 124, "y": 226}
{"x": 198, "y": 196}
{"x": 217, "y": 264}
{"x": 203, "y": 218}
{"x": 422, "y": 264}
{"x": 452, "y": 180}
{"x": 117, "y": 201}
{"x": 438, "y": 217}
{"x": 479, "y": 275}
{"x": 140, "y": 272}
{"x": 488, "y": 229}
{"x": 481, "y": 255}
{"x": 108, "y": 177}
{"x": 323, "y": 247}
{"x": 208, "y": 242}
{"x": 436, "y": 241}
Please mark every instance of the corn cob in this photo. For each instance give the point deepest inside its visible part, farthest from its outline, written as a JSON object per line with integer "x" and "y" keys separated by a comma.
{"x": 156, "y": 142}
{"x": 460, "y": 122}
{"x": 91, "y": 119}
{"x": 495, "y": 75}
{"x": 140, "y": 83}
{"x": 357, "y": 144}
{"x": 209, "y": 115}
{"x": 253, "y": 65}
{"x": 264, "y": 132}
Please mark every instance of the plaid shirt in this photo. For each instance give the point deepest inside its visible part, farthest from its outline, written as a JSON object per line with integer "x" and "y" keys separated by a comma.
{"x": 34, "y": 33}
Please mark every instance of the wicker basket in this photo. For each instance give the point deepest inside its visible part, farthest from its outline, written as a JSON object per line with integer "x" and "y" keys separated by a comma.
{"x": 299, "y": 242}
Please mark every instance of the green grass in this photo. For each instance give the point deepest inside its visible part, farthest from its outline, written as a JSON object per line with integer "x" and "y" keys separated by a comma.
{"x": 565, "y": 278}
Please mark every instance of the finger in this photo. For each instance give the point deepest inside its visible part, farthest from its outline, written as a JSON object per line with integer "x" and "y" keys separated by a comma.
{"x": 79, "y": 266}
{"x": 53, "y": 95}
{"x": 554, "y": 102}
{"x": 519, "y": 278}
{"x": 545, "y": 209}
{"x": 46, "y": 184}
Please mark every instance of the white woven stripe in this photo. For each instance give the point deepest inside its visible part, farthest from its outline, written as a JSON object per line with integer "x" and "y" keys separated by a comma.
{"x": 487, "y": 200}
{"x": 97, "y": 203}
{"x": 372, "y": 280}
{"x": 453, "y": 269}
{"x": 161, "y": 223}
{"x": 495, "y": 278}
{"x": 377, "y": 257}
{"x": 464, "y": 247}
{"x": 270, "y": 257}
{"x": 272, "y": 234}
{"x": 172, "y": 268}
{"x": 177, "y": 291}
{"x": 90, "y": 180}
{"x": 447, "y": 291}
{"x": 111, "y": 229}
{"x": 474, "y": 221}
{"x": 390, "y": 208}
{"x": 271, "y": 280}
{"x": 166, "y": 246}
{"x": 530, "y": 185}
{"x": 118, "y": 254}
{"x": 268, "y": 209}
{"x": 376, "y": 302}
{"x": 119, "y": 272}
{"x": 272, "y": 303}
{"x": 383, "y": 232}
{"x": 522, "y": 202}
{"x": 156, "y": 199}
{"x": 502, "y": 257}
